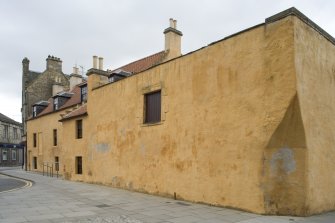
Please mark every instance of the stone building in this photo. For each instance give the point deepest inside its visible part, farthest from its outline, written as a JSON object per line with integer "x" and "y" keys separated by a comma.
{"x": 11, "y": 149}
{"x": 245, "y": 122}
{"x": 40, "y": 86}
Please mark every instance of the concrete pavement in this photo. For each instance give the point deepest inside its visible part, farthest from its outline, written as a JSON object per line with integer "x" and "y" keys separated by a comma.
{"x": 57, "y": 200}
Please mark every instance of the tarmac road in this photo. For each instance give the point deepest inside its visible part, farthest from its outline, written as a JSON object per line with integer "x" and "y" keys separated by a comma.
{"x": 8, "y": 183}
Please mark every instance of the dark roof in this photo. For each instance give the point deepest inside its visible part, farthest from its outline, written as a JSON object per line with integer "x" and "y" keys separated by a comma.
{"x": 81, "y": 111}
{"x": 144, "y": 63}
{"x": 75, "y": 99}
{"x": 8, "y": 120}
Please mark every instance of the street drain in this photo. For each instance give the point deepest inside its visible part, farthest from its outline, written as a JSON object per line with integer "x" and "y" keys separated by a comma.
{"x": 103, "y": 206}
{"x": 181, "y": 203}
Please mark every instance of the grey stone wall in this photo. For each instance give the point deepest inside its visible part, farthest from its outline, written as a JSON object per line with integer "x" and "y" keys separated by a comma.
{"x": 11, "y": 139}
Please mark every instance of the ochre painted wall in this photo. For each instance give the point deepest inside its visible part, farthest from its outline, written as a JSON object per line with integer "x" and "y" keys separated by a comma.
{"x": 45, "y": 151}
{"x": 315, "y": 68}
{"x": 220, "y": 107}
{"x": 246, "y": 123}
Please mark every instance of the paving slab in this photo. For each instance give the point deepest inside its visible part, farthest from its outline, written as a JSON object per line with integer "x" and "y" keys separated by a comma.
{"x": 52, "y": 200}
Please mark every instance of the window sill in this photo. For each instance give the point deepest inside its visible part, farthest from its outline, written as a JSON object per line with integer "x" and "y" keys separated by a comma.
{"x": 151, "y": 124}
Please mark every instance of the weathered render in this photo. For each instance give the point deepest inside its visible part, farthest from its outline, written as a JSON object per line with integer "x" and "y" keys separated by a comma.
{"x": 246, "y": 122}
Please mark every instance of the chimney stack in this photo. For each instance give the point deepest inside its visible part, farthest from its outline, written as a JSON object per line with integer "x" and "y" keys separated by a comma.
{"x": 172, "y": 40}
{"x": 54, "y": 63}
{"x": 75, "y": 78}
{"x": 101, "y": 65}
{"x": 95, "y": 62}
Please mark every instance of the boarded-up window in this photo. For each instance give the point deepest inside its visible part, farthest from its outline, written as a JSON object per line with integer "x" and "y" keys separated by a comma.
{"x": 152, "y": 107}
{"x": 55, "y": 137}
{"x": 79, "y": 165}
{"x": 34, "y": 139}
{"x": 35, "y": 162}
{"x": 79, "y": 129}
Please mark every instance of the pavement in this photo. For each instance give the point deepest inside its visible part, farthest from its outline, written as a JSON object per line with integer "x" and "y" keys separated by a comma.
{"x": 55, "y": 200}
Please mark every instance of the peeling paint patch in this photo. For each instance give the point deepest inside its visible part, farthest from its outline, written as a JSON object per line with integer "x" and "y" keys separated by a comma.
{"x": 283, "y": 161}
{"x": 102, "y": 147}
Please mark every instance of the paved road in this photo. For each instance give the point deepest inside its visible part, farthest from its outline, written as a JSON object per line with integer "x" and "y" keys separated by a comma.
{"x": 8, "y": 183}
{"x": 56, "y": 200}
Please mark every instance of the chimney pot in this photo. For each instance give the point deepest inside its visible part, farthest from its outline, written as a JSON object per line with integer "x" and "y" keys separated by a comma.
{"x": 95, "y": 62}
{"x": 101, "y": 61}
{"x": 171, "y": 22}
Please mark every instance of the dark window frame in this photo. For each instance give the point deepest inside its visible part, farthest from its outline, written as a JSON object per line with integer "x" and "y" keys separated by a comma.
{"x": 35, "y": 162}
{"x": 34, "y": 140}
{"x": 152, "y": 107}
{"x": 83, "y": 92}
{"x": 55, "y": 139}
{"x": 79, "y": 129}
{"x": 79, "y": 165}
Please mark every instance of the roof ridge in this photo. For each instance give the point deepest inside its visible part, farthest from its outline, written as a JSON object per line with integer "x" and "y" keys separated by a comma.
{"x": 142, "y": 59}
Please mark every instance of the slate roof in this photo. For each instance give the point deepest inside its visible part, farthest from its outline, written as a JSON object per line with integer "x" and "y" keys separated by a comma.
{"x": 4, "y": 118}
{"x": 144, "y": 63}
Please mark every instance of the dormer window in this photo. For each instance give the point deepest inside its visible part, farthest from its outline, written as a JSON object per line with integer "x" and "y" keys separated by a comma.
{"x": 56, "y": 104}
{"x": 60, "y": 99}
{"x": 118, "y": 75}
{"x": 83, "y": 93}
{"x": 39, "y": 107}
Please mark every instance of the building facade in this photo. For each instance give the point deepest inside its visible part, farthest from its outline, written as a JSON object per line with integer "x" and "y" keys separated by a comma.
{"x": 245, "y": 122}
{"x": 11, "y": 148}
{"x": 40, "y": 86}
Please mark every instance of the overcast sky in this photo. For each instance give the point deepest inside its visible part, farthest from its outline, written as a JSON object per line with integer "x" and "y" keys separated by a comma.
{"x": 121, "y": 31}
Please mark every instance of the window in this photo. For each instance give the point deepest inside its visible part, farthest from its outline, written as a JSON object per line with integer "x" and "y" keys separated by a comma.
{"x": 56, "y": 103}
{"x": 4, "y": 154}
{"x": 35, "y": 162}
{"x": 152, "y": 107}
{"x": 15, "y": 133}
{"x": 34, "y": 111}
{"x": 79, "y": 129}
{"x": 34, "y": 140}
{"x": 55, "y": 137}
{"x": 79, "y": 165}
{"x": 56, "y": 163}
{"x": 6, "y": 132}
{"x": 84, "y": 93}
{"x": 13, "y": 154}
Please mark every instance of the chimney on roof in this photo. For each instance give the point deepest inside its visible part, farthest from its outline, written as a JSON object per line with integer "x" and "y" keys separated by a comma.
{"x": 54, "y": 63}
{"x": 95, "y": 62}
{"x": 56, "y": 88}
{"x": 75, "y": 78}
{"x": 172, "y": 40}
{"x": 101, "y": 63}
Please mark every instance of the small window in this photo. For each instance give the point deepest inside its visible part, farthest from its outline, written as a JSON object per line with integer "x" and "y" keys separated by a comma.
{"x": 152, "y": 107}
{"x": 35, "y": 162}
{"x": 15, "y": 133}
{"x": 56, "y": 104}
{"x": 34, "y": 140}
{"x": 84, "y": 93}
{"x": 6, "y": 132}
{"x": 34, "y": 111}
{"x": 55, "y": 137}
{"x": 79, "y": 129}
{"x": 56, "y": 163}
{"x": 4, "y": 154}
{"x": 13, "y": 154}
{"x": 79, "y": 165}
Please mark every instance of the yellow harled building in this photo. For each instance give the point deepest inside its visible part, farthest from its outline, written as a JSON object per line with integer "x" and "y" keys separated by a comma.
{"x": 245, "y": 122}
